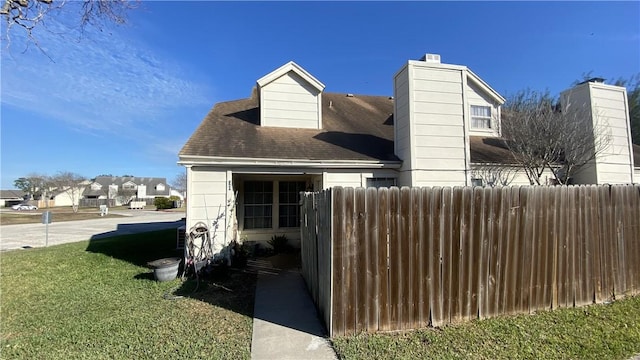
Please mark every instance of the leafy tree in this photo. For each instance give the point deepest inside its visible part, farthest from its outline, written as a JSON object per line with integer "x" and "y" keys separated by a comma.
{"x": 36, "y": 185}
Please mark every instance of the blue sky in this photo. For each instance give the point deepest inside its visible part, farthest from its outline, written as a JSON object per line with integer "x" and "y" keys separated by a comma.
{"x": 124, "y": 99}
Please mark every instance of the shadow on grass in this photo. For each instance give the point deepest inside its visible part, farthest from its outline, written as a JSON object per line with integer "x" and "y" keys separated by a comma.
{"x": 230, "y": 288}
{"x": 138, "y": 243}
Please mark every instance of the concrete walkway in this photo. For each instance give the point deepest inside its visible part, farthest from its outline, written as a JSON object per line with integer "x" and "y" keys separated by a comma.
{"x": 285, "y": 321}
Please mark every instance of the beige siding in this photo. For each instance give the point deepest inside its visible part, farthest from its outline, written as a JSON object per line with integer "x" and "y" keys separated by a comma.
{"x": 402, "y": 141}
{"x": 290, "y": 101}
{"x": 476, "y": 97}
{"x": 438, "y": 118}
{"x": 608, "y": 109}
{"x": 636, "y": 176}
{"x": 439, "y": 178}
{"x": 343, "y": 178}
{"x": 207, "y": 200}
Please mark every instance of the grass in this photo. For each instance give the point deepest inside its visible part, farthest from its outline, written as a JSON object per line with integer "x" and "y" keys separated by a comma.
{"x": 98, "y": 300}
{"x": 14, "y": 218}
{"x": 64, "y": 213}
{"x": 609, "y": 331}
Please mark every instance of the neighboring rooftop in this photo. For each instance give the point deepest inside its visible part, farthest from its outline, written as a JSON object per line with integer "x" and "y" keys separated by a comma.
{"x": 12, "y": 194}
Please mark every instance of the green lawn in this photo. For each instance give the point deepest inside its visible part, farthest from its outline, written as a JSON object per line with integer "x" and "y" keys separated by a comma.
{"x": 594, "y": 332}
{"x": 97, "y": 300}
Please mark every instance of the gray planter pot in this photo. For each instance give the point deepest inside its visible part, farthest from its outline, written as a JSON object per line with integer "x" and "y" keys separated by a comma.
{"x": 165, "y": 269}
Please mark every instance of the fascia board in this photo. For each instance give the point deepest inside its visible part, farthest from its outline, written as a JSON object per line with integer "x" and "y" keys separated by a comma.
{"x": 224, "y": 161}
{"x": 485, "y": 87}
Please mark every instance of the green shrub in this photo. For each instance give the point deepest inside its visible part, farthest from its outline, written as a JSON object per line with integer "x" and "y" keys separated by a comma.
{"x": 163, "y": 203}
{"x": 279, "y": 243}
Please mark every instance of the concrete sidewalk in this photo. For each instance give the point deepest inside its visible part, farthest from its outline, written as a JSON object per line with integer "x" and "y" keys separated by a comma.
{"x": 285, "y": 321}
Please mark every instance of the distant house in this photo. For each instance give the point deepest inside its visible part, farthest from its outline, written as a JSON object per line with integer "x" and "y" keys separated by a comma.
{"x": 11, "y": 197}
{"x": 123, "y": 189}
{"x": 251, "y": 157}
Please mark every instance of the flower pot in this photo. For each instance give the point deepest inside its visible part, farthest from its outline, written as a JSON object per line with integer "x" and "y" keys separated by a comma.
{"x": 165, "y": 269}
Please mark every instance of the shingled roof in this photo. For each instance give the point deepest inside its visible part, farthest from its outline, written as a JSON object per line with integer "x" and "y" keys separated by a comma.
{"x": 358, "y": 127}
{"x": 354, "y": 128}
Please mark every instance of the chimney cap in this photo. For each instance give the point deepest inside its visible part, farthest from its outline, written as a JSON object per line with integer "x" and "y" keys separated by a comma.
{"x": 593, "y": 80}
{"x": 431, "y": 58}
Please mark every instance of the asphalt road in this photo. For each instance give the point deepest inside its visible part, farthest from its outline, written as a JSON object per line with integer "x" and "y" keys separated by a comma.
{"x": 134, "y": 221}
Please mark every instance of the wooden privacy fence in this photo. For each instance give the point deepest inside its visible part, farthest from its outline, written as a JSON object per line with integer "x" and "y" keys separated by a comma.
{"x": 393, "y": 259}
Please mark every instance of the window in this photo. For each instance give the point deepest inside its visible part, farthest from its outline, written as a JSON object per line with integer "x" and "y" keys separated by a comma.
{"x": 258, "y": 204}
{"x": 381, "y": 182}
{"x": 477, "y": 182}
{"x": 480, "y": 117}
{"x": 289, "y": 203}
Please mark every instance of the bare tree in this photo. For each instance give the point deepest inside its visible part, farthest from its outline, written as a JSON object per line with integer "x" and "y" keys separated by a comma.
{"x": 71, "y": 184}
{"x": 541, "y": 135}
{"x": 124, "y": 196}
{"x": 28, "y": 14}
{"x": 180, "y": 182}
{"x": 494, "y": 174}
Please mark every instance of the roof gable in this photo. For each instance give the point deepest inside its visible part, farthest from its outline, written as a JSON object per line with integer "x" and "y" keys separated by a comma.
{"x": 485, "y": 87}
{"x": 286, "y": 68}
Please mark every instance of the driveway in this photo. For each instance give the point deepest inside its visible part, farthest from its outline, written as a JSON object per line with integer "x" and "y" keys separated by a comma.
{"x": 133, "y": 221}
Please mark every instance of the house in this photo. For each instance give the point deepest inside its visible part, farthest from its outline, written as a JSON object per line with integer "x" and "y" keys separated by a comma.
{"x": 9, "y": 198}
{"x": 123, "y": 189}
{"x": 249, "y": 158}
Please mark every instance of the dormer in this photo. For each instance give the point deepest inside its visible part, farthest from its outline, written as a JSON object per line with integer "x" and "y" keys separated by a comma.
{"x": 129, "y": 185}
{"x": 290, "y": 97}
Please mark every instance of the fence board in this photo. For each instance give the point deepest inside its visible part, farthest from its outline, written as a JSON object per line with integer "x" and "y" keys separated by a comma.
{"x": 424, "y": 246}
{"x": 466, "y": 247}
{"x": 339, "y": 269}
{"x": 495, "y": 246}
{"x": 436, "y": 297}
{"x": 629, "y": 232}
{"x": 404, "y": 259}
{"x": 393, "y": 259}
{"x": 414, "y": 259}
{"x": 595, "y": 248}
{"x": 549, "y": 248}
{"x": 446, "y": 235}
{"x": 360, "y": 249}
{"x": 384, "y": 316}
{"x": 619, "y": 261}
{"x": 482, "y": 225}
{"x": 513, "y": 268}
{"x": 372, "y": 271}
{"x": 455, "y": 307}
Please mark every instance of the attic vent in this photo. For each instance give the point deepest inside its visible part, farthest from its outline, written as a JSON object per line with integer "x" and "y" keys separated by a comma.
{"x": 431, "y": 58}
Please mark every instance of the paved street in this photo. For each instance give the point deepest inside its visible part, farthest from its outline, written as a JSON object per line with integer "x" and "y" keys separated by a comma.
{"x": 134, "y": 221}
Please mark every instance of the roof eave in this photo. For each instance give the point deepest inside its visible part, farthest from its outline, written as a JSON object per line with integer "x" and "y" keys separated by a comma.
{"x": 265, "y": 162}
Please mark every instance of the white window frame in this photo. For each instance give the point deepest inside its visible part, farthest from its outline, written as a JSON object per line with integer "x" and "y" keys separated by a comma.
{"x": 486, "y": 119}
